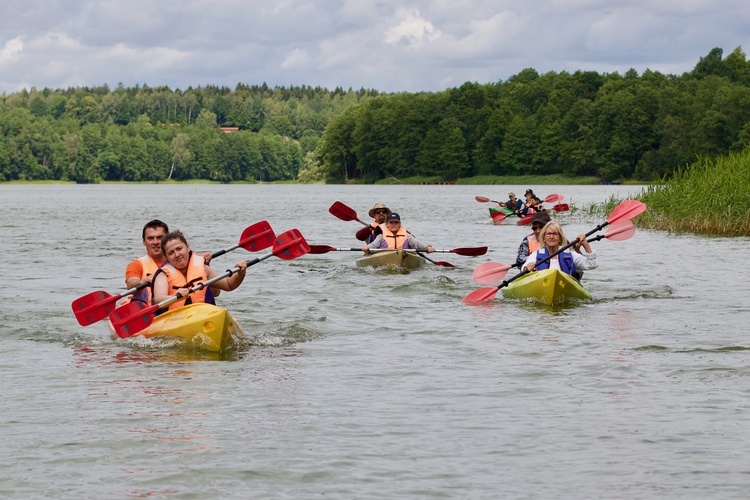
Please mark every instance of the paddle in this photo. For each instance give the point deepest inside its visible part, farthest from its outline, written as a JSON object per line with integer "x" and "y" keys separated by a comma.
{"x": 133, "y": 317}
{"x": 344, "y": 212}
{"x": 622, "y": 212}
{"x": 482, "y": 199}
{"x": 492, "y": 272}
{"x": 561, "y": 207}
{"x": 436, "y": 262}
{"x": 467, "y": 251}
{"x": 497, "y": 217}
{"x": 553, "y": 198}
{"x": 525, "y": 220}
{"x": 97, "y": 305}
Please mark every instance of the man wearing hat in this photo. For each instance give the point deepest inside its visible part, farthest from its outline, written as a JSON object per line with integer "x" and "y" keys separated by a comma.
{"x": 395, "y": 236}
{"x": 379, "y": 212}
{"x": 531, "y": 242}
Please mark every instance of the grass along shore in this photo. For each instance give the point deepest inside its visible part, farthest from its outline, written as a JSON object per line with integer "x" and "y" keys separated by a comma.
{"x": 709, "y": 197}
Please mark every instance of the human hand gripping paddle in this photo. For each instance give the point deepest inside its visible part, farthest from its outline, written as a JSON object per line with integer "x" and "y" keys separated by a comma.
{"x": 468, "y": 251}
{"x": 622, "y": 212}
{"x": 97, "y": 305}
{"x": 492, "y": 272}
{"x": 131, "y": 318}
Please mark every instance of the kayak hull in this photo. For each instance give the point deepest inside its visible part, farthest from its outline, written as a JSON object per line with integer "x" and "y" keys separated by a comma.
{"x": 202, "y": 326}
{"x": 550, "y": 286}
{"x": 394, "y": 258}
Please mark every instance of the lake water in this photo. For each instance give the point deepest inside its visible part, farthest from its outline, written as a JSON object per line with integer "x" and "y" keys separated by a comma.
{"x": 360, "y": 383}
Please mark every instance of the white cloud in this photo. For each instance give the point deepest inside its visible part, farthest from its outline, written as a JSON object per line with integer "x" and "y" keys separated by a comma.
{"x": 11, "y": 50}
{"x": 412, "y": 32}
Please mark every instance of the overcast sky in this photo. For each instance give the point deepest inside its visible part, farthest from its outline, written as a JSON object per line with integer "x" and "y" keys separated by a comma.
{"x": 387, "y": 45}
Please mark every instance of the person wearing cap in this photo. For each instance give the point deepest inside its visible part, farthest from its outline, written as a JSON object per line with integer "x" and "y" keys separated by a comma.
{"x": 532, "y": 242}
{"x": 532, "y": 204}
{"x": 379, "y": 212}
{"x": 513, "y": 203}
{"x": 395, "y": 236}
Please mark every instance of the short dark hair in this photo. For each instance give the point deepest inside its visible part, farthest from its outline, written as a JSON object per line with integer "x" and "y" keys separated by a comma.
{"x": 153, "y": 225}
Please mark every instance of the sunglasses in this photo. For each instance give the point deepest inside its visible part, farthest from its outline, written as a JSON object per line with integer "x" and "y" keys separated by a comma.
{"x": 380, "y": 211}
{"x": 536, "y": 228}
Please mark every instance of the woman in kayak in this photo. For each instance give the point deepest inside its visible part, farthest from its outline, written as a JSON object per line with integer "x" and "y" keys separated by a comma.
{"x": 395, "y": 236}
{"x": 552, "y": 239}
{"x": 184, "y": 270}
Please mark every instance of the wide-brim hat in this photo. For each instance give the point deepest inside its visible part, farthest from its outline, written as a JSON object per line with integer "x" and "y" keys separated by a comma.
{"x": 378, "y": 206}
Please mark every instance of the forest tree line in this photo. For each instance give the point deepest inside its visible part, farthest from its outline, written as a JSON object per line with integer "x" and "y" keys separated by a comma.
{"x": 96, "y": 134}
{"x": 610, "y": 126}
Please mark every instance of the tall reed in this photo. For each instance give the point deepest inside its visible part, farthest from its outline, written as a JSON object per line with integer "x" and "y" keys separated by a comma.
{"x": 711, "y": 197}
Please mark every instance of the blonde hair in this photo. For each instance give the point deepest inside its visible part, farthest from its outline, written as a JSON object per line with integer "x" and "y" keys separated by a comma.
{"x": 552, "y": 226}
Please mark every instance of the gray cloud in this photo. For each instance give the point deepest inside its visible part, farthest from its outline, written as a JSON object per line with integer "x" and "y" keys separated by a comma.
{"x": 419, "y": 45}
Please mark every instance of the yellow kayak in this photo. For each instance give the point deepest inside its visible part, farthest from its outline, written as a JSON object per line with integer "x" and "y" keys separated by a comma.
{"x": 550, "y": 286}
{"x": 201, "y": 325}
{"x": 396, "y": 258}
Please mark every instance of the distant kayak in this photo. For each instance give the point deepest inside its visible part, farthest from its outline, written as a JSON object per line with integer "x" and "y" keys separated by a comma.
{"x": 201, "y": 325}
{"x": 504, "y": 210}
{"x": 550, "y": 286}
{"x": 397, "y": 258}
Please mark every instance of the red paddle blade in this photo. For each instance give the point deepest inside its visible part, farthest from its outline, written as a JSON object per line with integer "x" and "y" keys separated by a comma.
{"x": 525, "y": 220}
{"x": 442, "y": 263}
{"x": 481, "y": 295}
{"x": 497, "y": 217}
{"x": 490, "y": 272}
{"x": 626, "y": 211}
{"x": 131, "y": 318}
{"x": 620, "y": 231}
{"x": 481, "y": 199}
{"x": 257, "y": 237}
{"x": 470, "y": 251}
{"x": 561, "y": 207}
{"x": 93, "y": 307}
{"x": 318, "y": 249}
{"x": 553, "y": 198}
{"x": 290, "y": 245}
{"x": 342, "y": 211}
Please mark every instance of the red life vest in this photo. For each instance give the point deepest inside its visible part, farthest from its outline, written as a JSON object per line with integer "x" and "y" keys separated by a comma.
{"x": 196, "y": 273}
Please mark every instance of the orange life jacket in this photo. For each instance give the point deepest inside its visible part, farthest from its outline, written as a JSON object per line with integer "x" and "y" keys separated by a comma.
{"x": 395, "y": 241}
{"x": 534, "y": 244}
{"x": 196, "y": 273}
{"x": 149, "y": 269}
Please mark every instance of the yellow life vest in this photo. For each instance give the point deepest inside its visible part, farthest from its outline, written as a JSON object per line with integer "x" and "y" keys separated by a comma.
{"x": 395, "y": 241}
{"x": 196, "y": 273}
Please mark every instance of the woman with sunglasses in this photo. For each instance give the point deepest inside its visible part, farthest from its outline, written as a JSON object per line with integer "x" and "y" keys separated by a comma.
{"x": 552, "y": 239}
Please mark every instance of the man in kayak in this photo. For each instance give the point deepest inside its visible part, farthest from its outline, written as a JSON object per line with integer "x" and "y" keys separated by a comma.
{"x": 379, "y": 212}
{"x": 142, "y": 269}
{"x": 532, "y": 242}
{"x": 552, "y": 238}
{"x": 395, "y": 236}
{"x": 513, "y": 203}
{"x": 185, "y": 269}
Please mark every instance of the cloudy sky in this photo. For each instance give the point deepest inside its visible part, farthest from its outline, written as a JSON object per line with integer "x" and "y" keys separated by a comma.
{"x": 388, "y": 45}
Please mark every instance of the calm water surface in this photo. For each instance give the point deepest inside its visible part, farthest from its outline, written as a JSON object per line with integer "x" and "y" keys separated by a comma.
{"x": 359, "y": 383}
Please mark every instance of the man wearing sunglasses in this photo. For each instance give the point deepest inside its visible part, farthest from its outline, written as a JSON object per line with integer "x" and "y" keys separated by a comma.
{"x": 531, "y": 242}
{"x": 379, "y": 212}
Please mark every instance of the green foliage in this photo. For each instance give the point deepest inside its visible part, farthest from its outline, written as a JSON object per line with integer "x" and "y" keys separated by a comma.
{"x": 710, "y": 196}
{"x": 613, "y": 127}
{"x": 91, "y": 135}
